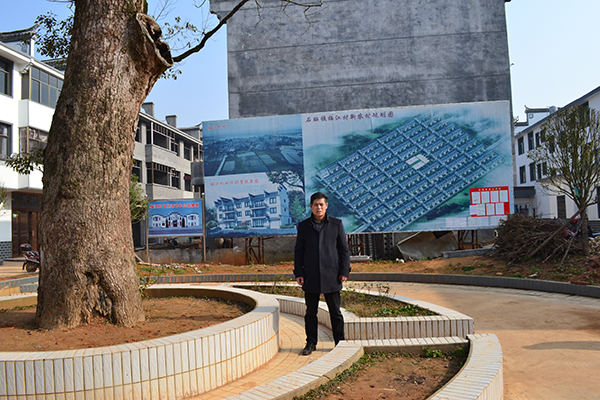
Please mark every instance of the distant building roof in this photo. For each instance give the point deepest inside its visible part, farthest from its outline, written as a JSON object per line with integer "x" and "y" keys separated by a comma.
{"x": 20, "y": 35}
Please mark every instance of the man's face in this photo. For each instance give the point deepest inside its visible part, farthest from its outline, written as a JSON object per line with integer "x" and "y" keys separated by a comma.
{"x": 319, "y": 207}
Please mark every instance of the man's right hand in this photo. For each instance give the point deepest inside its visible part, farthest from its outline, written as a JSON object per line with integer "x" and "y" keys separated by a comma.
{"x": 300, "y": 280}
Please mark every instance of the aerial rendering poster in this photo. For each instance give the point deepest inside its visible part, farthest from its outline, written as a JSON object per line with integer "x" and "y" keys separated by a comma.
{"x": 422, "y": 168}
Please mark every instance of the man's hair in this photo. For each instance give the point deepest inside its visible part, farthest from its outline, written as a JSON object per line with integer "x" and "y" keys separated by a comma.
{"x": 317, "y": 196}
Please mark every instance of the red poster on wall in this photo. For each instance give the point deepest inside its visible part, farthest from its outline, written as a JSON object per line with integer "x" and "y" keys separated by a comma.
{"x": 490, "y": 201}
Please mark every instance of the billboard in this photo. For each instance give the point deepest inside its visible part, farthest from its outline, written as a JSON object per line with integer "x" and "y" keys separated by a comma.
{"x": 175, "y": 218}
{"x": 384, "y": 170}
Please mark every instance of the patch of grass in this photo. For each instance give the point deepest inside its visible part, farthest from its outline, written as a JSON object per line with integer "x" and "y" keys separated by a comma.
{"x": 467, "y": 268}
{"x": 359, "y": 303}
{"x": 518, "y": 275}
{"x": 432, "y": 353}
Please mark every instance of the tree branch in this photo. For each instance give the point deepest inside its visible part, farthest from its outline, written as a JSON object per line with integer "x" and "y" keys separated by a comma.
{"x": 210, "y": 33}
{"x": 223, "y": 21}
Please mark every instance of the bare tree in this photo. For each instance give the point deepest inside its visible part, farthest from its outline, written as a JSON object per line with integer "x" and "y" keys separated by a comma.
{"x": 88, "y": 268}
{"x": 569, "y": 154}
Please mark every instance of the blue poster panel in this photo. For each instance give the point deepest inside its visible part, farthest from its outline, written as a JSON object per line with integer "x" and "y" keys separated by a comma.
{"x": 384, "y": 170}
{"x": 175, "y": 218}
{"x": 254, "y": 176}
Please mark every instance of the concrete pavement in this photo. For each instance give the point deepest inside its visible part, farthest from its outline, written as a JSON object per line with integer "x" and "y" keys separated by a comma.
{"x": 550, "y": 342}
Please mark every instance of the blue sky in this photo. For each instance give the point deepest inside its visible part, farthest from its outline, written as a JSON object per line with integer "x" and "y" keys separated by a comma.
{"x": 552, "y": 46}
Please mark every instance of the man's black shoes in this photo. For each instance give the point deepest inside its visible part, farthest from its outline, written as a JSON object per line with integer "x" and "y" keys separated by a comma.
{"x": 308, "y": 349}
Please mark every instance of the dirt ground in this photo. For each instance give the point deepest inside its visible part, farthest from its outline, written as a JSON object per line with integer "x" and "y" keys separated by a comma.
{"x": 393, "y": 376}
{"x": 164, "y": 317}
{"x": 577, "y": 270}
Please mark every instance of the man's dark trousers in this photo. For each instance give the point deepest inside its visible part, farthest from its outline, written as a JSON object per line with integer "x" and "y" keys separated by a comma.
{"x": 311, "y": 321}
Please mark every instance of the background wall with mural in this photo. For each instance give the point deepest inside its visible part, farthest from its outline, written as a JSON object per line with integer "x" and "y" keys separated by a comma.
{"x": 384, "y": 170}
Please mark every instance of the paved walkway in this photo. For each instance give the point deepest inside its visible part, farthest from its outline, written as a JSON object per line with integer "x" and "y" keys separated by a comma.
{"x": 287, "y": 360}
{"x": 550, "y": 342}
{"x": 12, "y": 268}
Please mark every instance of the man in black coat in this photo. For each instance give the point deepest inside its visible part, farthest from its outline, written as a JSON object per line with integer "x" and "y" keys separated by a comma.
{"x": 321, "y": 264}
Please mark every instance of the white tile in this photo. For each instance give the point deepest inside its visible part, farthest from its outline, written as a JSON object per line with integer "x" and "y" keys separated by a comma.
{"x": 169, "y": 361}
{"x": 88, "y": 373}
{"x": 211, "y": 350}
{"x": 171, "y": 387}
{"x": 80, "y": 395}
{"x": 136, "y": 391}
{"x": 153, "y": 362}
{"x": 48, "y": 376}
{"x": 59, "y": 376}
{"x": 161, "y": 362}
{"x": 10, "y": 382}
{"x": 178, "y": 384}
{"x": 185, "y": 356}
{"x": 29, "y": 378}
{"x": 127, "y": 391}
{"x": 126, "y": 368}
{"x": 176, "y": 358}
{"x": 105, "y": 370}
{"x": 185, "y": 384}
{"x": 117, "y": 392}
{"x": 135, "y": 366}
{"x": 20, "y": 378}
{"x": 78, "y": 383}
{"x": 98, "y": 374}
{"x": 155, "y": 389}
{"x": 146, "y": 390}
{"x": 144, "y": 366}
{"x": 117, "y": 369}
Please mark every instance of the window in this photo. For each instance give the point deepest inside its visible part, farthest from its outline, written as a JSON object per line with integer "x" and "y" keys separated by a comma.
{"x": 41, "y": 87}
{"x": 273, "y": 210}
{"x": 272, "y": 200}
{"x": 5, "y": 74}
{"x": 164, "y": 137}
{"x": 30, "y": 138}
{"x": 522, "y": 174}
{"x": 530, "y": 140}
{"x": 248, "y": 213}
{"x": 539, "y": 171}
{"x": 187, "y": 151}
{"x": 532, "y": 172}
{"x": 544, "y": 169}
{"x": 187, "y": 182}
{"x": 137, "y": 169}
{"x": 5, "y": 141}
{"x": 238, "y": 213}
{"x": 521, "y": 145}
{"x": 538, "y": 140}
{"x": 163, "y": 175}
{"x": 246, "y": 204}
{"x": 561, "y": 207}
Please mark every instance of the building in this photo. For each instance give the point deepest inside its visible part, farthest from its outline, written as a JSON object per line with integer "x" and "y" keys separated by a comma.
{"x": 364, "y": 55}
{"x": 266, "y": 210}
{"x": 533, "y": 196}
{"x": 29, "y": 90}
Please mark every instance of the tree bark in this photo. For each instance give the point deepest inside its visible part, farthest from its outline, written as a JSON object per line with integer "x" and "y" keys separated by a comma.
{"x": 88, "y": 265}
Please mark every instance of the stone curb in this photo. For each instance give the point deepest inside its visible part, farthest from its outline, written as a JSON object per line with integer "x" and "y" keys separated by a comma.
{"x": 480, "y": 378}
{"x": 30, "y": 284}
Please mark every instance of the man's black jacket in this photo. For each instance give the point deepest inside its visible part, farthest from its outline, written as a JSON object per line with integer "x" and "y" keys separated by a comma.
{"x": 321, "y": 257}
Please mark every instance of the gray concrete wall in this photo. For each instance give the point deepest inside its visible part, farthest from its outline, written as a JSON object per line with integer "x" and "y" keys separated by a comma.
{"x": 364, "y": 54}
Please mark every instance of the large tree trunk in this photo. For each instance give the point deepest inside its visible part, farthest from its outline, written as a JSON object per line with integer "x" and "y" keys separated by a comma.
{"x": 88, "y": 265}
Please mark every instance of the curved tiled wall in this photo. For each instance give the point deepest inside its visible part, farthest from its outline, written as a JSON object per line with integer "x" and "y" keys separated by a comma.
{"x": 170, "y": 368}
